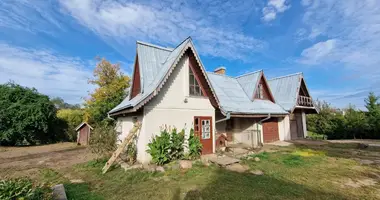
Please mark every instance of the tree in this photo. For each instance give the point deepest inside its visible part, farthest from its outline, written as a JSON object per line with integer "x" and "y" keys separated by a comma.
{"x": 26, "y": 116}
{"x": 356, "y": 123}
{"x": 61, "y": 104}
{"x": 111, "y": 90}
{"x": 73, "y": 117}
{"x": 373, "y": 107}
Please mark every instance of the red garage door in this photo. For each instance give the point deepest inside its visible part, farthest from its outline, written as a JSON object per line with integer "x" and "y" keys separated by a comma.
{"x": 270, "y": 130}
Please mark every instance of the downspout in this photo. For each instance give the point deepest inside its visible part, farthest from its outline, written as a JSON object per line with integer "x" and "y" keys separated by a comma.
{"x": 228, "y": 116}
{"x": 257, "y": 127}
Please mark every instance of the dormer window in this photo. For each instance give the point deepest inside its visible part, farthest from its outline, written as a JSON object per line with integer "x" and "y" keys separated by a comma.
{"x": 194, "y": 87}
{"x": 260, "y": 92}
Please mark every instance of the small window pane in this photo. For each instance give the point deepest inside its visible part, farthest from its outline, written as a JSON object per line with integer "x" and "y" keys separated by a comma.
{"x": 191, "y": 79}
{"x": 192, "y": 92}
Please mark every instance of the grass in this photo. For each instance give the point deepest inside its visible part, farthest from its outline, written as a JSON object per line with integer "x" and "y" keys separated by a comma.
{"x": 290, "y": 173}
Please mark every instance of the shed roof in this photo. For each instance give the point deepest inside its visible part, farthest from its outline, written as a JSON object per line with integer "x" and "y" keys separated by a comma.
{"x": 81, "y": 125}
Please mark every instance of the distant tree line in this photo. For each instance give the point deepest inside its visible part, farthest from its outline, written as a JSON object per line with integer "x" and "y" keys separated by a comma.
{"x": 28, "y": 117}
{"x": 349, "y": 123}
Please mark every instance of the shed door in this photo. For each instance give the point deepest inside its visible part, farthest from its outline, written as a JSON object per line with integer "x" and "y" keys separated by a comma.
{"x": 203, "y": 129}
{"x": 84, "y": 135}
{"x": 270, "y": 130}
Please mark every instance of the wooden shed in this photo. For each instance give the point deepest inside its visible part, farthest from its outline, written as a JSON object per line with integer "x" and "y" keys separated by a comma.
{"x": 84, "y": 132}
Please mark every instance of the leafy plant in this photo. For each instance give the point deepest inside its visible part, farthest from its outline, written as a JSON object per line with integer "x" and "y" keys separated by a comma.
{"x": 176, "y": 144}
{"x": 195, "y": 145}
{"x": 103, "y": 139}
{"x": 21, "y": 188}
{"x": 159, "y": 148}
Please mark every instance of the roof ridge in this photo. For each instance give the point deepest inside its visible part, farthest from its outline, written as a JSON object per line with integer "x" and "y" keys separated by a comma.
{"x": 285, "y": 76}
{"x": 155, "y": 46}
{"x": 249, "y": 73}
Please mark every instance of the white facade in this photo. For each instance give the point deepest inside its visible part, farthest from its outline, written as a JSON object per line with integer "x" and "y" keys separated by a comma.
{"x": 284, "y": 128}
{"x": 172, "y": 107}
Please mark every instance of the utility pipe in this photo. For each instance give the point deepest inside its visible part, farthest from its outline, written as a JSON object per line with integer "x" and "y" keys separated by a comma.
{"x": 257, "y": 126}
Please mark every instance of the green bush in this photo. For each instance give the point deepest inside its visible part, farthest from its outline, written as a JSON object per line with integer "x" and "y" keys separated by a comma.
{"x": 347, "y": 123}
{"x": 195, "y": 145}
{"x": 159, "y": 148}
{"x": 176, "y": 144}
{"x": 73, "y": 117}
{"x": 315, "y": 136}
{"x": 103, "y": 139}
{"x": 27, "y": 117}
{"x": 21, "y": 188}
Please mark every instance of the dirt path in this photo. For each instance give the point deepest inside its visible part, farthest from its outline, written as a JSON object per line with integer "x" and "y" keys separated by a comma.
{"x": 24, "y": 161}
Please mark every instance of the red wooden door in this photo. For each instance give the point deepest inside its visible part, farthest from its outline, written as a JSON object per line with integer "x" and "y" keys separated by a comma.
{"x": 203, "y": 129}
{"x": 270, "y": 130}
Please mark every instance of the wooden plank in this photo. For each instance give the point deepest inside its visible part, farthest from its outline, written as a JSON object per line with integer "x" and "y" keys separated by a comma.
{"x": 127, "y": 140}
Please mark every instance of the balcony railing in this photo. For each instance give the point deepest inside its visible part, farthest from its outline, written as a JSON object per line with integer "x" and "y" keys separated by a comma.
{"x": 305, "y": 101}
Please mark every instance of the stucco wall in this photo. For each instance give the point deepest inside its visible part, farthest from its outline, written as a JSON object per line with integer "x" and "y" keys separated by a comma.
{"x": 243, "y": 130}
{"x": 169, "y": 107}
{"x": 284, "y": 128}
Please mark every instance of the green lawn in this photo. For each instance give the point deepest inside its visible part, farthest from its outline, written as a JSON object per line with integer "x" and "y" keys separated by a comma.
{"x": 290, "y": 173}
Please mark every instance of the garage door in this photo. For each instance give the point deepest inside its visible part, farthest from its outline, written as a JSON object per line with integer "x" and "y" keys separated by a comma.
{"x": 270, "y": 130}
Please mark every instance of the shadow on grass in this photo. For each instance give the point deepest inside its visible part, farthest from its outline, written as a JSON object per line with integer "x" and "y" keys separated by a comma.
{"x": 233, "y": 185}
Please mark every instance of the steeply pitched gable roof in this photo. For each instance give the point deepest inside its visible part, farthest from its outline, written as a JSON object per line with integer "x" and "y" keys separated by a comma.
{"x": 285, "y": 90}
{"x": 156, "y": 64}
{"x": 249, "y": 81}
{"x": 235, "y": 95}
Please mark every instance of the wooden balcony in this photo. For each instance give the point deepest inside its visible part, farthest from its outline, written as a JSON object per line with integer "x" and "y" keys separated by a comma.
{"x": 305, "y": 101}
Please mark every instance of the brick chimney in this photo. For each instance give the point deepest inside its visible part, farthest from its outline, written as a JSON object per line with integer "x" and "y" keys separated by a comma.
{"x": 220, "y": 70}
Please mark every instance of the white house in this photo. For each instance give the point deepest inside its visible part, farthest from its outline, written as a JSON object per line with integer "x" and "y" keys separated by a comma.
{"x": 171, "y": 87}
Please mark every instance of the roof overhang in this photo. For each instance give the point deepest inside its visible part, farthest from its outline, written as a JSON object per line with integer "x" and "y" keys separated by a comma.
{"x": 308, "y": 110}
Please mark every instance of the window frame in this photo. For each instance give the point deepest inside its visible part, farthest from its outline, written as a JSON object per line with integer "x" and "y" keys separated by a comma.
{"x": 195, "y": 89}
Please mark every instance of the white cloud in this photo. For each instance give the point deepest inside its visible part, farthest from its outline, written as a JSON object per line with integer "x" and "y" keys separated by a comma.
{"x": 269, "y": 14}
{"x": 279, "y": 5}
{"x": 273, "y": 7}
{"x": 22, "y": 15}
{"x": 49, "y": 73}
{"x": 355, "y": 24}
{"x": 318, "y": 53}
{"x": 120, "y": 24}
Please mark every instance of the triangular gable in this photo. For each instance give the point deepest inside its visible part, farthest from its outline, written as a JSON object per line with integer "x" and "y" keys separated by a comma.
{"x": 266, "y": 92}
{"x": 248, "y": 82}
{"x": 161, "y": 77}
{"x": 81, "y": 125}
{"x": 136, "y": 79}
{"x": 303, "y": 91}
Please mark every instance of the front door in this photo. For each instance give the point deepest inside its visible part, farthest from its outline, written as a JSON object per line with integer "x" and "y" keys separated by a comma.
{"x": 203, "y": 129}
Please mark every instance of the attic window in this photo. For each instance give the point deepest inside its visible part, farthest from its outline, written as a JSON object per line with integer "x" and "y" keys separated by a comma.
{"x": 260, "y": 92}
{"x": 194, "y": 87}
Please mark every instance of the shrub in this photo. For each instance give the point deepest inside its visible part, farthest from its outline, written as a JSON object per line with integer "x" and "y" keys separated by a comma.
{"x": 73, "y": 117}
{"x": 315, "y": 136}
{"x": 103, "y": 139}
{"x": 21, "y": 188}
{"x": 159, "y": 148}
{"x": 195, "y": 145}
{"x": 27, "y": 117}
{"x": 176, "y": 144}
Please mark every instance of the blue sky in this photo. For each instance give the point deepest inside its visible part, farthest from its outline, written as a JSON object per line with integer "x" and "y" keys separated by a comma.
{"x": 51, "y": 45}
